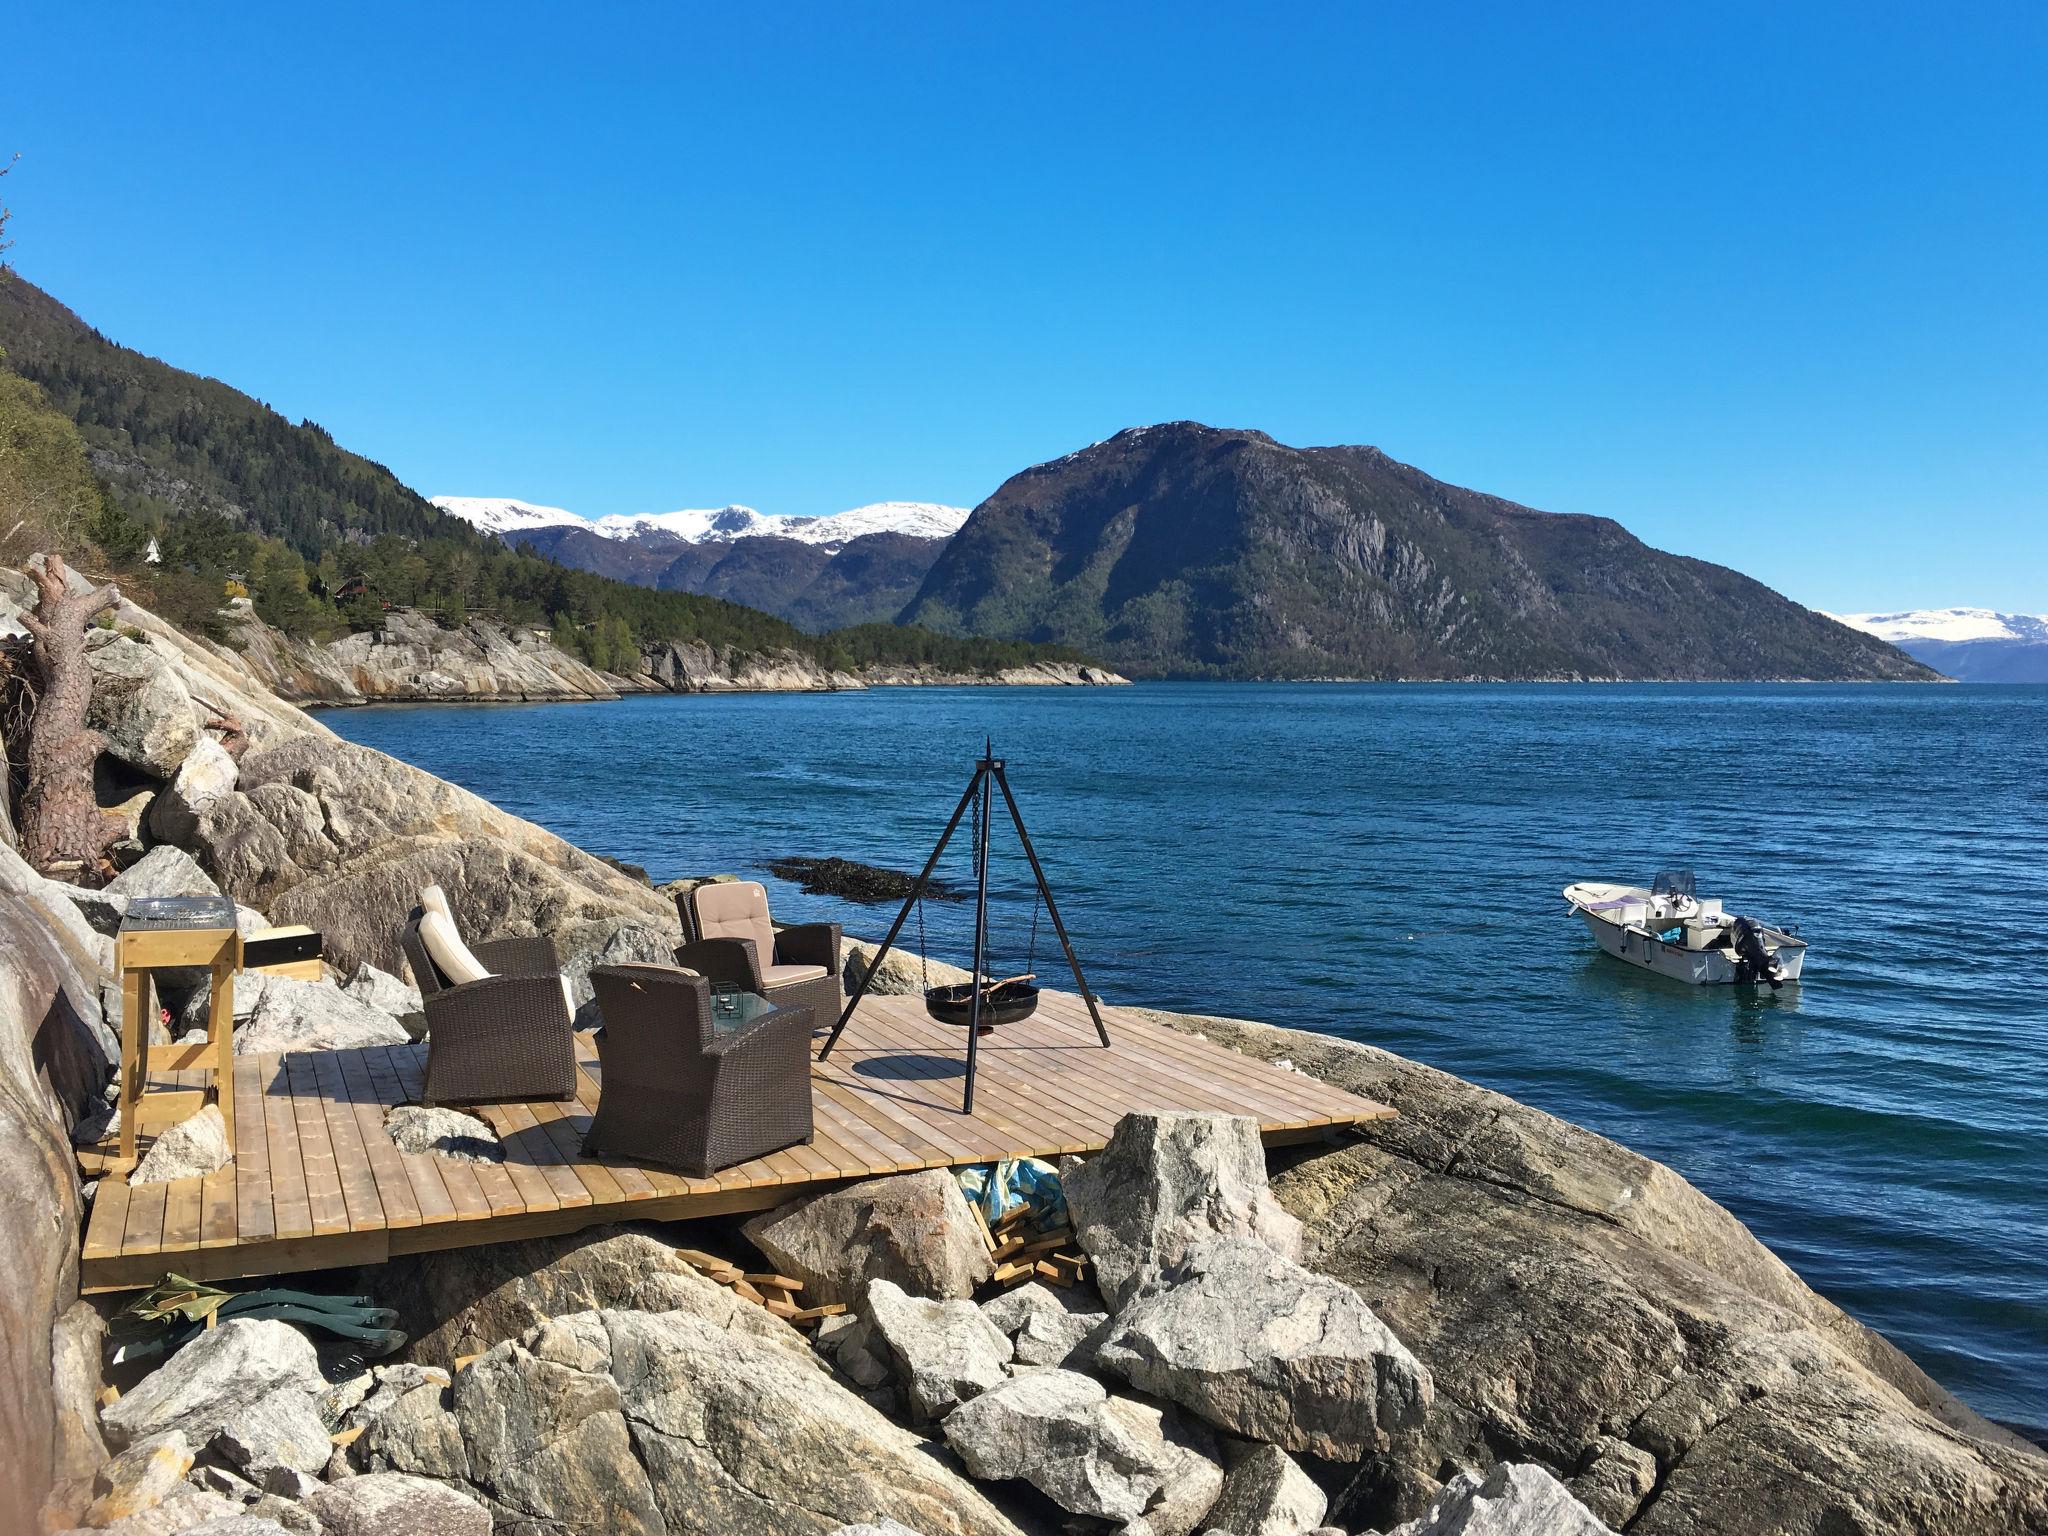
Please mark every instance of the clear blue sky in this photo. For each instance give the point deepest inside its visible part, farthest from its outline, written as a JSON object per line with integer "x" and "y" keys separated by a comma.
{"x": 1767, "y": 283}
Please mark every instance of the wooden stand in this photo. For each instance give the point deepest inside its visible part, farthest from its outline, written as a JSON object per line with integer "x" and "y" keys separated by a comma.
{"x": 152, "y": 945}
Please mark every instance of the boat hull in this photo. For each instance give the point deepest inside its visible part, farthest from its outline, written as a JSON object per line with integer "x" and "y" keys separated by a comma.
{"x": 1699, "y": 967}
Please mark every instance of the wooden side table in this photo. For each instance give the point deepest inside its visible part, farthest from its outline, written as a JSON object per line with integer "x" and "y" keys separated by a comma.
{"x": 164, "y": 933}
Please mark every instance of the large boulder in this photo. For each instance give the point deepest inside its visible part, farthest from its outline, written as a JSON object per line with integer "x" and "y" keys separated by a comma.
{"x": 669, "y": 1423}
{"x": 1164, "y": 1183}
{"x": 221, "y": 1375}
{"x": 1511, "y": 1500}
{"x": 194, "y": 1147}
{"x": 140, "y": 1478}
{"x": 1262, "y": 1348}
{"x": 1571, "y": 1297}
{"x": 394, "y": 1504}
{"x": 140, "y": 704}
{"x": 945, "y": 1351}
{"x": 913, "y": 1229}
{"x": 1112, "y": 1458}
{"x": 163, "y": 871}
{"x": 281, "y": 1013}
{"x": 902, "y": 974}
{"x": 462, "y": 1301}
{"x": 205, "y": 778}
{"x": 52, "y": 1063}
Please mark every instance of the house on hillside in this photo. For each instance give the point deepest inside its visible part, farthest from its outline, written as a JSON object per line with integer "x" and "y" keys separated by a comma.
{"x": 356, "y": 587}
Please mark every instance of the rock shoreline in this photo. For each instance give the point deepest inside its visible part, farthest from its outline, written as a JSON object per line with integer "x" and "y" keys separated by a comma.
{"x": 1466, "y": 1317}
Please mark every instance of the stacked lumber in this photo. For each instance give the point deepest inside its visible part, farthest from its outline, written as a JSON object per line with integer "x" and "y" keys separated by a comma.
{"x": 1021, "y": 1252}
{"x": 774, "y": 1293}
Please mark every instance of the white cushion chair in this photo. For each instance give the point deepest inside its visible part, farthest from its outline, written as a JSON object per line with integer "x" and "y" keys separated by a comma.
{"x": 498, "y": 1013}
{"x": 731, "y": 938}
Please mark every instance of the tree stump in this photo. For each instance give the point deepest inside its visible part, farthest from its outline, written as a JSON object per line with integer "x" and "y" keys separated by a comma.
{"x": 62, "y": 830}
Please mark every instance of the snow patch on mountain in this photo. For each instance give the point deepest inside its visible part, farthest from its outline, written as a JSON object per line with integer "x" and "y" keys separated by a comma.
{"x": 718, "y": 525}
{"x": 1948, "y": 624}
{"x": 503, "y": 514}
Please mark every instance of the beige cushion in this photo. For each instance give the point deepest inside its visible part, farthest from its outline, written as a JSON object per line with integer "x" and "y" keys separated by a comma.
{"x": 736, "y": 909}
{"x": 785, "y": 975}
{"x": 445, "y": 948}
{"x": 434, "y": 899}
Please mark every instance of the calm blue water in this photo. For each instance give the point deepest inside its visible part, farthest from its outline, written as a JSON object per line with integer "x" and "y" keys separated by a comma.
{"x": 1384, "y": 863}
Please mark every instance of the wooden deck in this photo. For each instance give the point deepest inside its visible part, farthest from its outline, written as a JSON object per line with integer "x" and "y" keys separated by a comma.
{"x": 317, "y": 1183}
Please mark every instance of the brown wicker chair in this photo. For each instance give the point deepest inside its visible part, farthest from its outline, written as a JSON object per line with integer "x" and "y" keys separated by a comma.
{"x": 729, "y": 937}
{"x": 506, "y": 1037}
{"x": 681, "y": 1094}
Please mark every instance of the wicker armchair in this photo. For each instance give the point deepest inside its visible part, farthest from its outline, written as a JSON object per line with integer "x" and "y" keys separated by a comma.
{"x": 506, "y": 1037}
{"x": 729, "y": 937}
{"x": 681, "y": 1094}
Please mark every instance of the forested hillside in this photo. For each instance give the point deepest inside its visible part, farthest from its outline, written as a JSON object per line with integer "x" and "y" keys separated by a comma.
{"x": 233, "y": 492}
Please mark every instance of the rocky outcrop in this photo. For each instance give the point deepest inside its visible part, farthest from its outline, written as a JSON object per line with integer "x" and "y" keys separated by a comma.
{"x": 1267, "y": 1494}
{"x": 53, "y": 1057}
{"x": 1038, "y": 674}
{"x": 414, "y": 659}
{"x": 393, "y": 1504}
{"x": 1047, "y": 1326}
{"x": 902, "y": 973}
{"x": 691, "y": 666}
{"x": 1583, "y": 1307}
{"x": 664, "y": 1424}
{"x": 913, "y": 1229}
{"x": 279, "y": 1013}
{"x": 217, "y": 1380}
{"x": 1165, "y": 1184}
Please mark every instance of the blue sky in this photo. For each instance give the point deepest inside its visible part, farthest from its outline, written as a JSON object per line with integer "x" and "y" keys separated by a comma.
{"x": 1765, "y": 283}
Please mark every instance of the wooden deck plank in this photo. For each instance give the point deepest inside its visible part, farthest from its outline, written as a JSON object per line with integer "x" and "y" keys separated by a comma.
{"x": 317, "y": 1182}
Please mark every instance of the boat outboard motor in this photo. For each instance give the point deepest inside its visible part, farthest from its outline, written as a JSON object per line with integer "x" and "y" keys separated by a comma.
{"x": 1752, "y": 961}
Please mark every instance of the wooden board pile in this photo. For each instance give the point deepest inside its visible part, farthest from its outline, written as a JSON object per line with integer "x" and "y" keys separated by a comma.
{"x": 1022, "y": 1252}
{"x": 776, "y": 1293}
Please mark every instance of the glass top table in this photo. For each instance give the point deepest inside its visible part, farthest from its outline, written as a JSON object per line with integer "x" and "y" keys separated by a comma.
{"x": 732, "y": 1008}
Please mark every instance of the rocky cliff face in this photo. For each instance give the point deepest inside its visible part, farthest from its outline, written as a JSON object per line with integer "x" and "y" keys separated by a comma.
{"x": 1185, "y": 550}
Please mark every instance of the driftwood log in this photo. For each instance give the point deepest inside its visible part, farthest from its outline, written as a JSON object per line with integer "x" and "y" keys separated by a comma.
{"x": 62, "y": 830}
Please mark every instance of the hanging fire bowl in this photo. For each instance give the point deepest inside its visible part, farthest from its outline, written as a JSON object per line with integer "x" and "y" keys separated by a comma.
{"x": 1003, "y": 1005}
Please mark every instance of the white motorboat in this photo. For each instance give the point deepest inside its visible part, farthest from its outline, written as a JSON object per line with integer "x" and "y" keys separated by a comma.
{"x": 1672, "y": 930}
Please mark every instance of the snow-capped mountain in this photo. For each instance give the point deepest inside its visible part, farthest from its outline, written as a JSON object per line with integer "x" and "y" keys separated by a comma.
{"x": 1971, "y": 645}
{"x": 502, "y": 515}
{"x": 720, "y": 525}
{"x": 854, "y": 567}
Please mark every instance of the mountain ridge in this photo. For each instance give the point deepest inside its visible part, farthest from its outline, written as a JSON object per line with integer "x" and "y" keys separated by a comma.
{"x": 1971, "y": 645}
{"x": 1185, "y": 550}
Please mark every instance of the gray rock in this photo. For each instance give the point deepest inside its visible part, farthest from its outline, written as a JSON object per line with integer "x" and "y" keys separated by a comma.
{"x": 277, "y": 1434}
{"x": 883, "y": 1527}
{"x": 216, "y": 1477}
{"x": 1266, "y": 1494}
{"x": 204, "y": 778}
{"x": 163, "y": 871}
{"x": 395, "y": 1504}
{"x": 383, "y": 991}
{"x": 443, "y": 1132}
{"x": 463, "y": 1301}
{"x": 140, "y": 1478}
{"x": 901, "y": 975}
{"x": 184, "y": 1514}
{"x": 1613, "y": 1479}
{"x": 278, "y": 1013}
{"x": 196, "y": 1145}
{"x": 635, "y": 1422}
{"x": 1558, "y": 1285}
{"x": 103, "y": 909}
{"x": 913, "y": 1229}
{"x": 406, "y": 1421}
{"x": 140, "y": 704}
{"x": 288, "y": 1513}
{"x": 1091, "y": 1454}
{"x": 944, "y": 1351}
{"x": 1164, "y": 1183}
{"x": 1049, "y": 1326}
{"x": 1514, "y": 1499}
{"x": 861, "y": 1356}
{"x": 1264, "y": 1349}
{"x": 205, "y": 1385}
{"x": 246, "y": 1523}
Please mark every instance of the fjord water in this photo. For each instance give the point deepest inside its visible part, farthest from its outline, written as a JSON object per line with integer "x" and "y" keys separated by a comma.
{"x": 1384, "y": 863}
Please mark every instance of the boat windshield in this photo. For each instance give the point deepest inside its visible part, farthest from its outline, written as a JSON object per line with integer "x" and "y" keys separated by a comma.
{"x": 1673, "y": 882}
